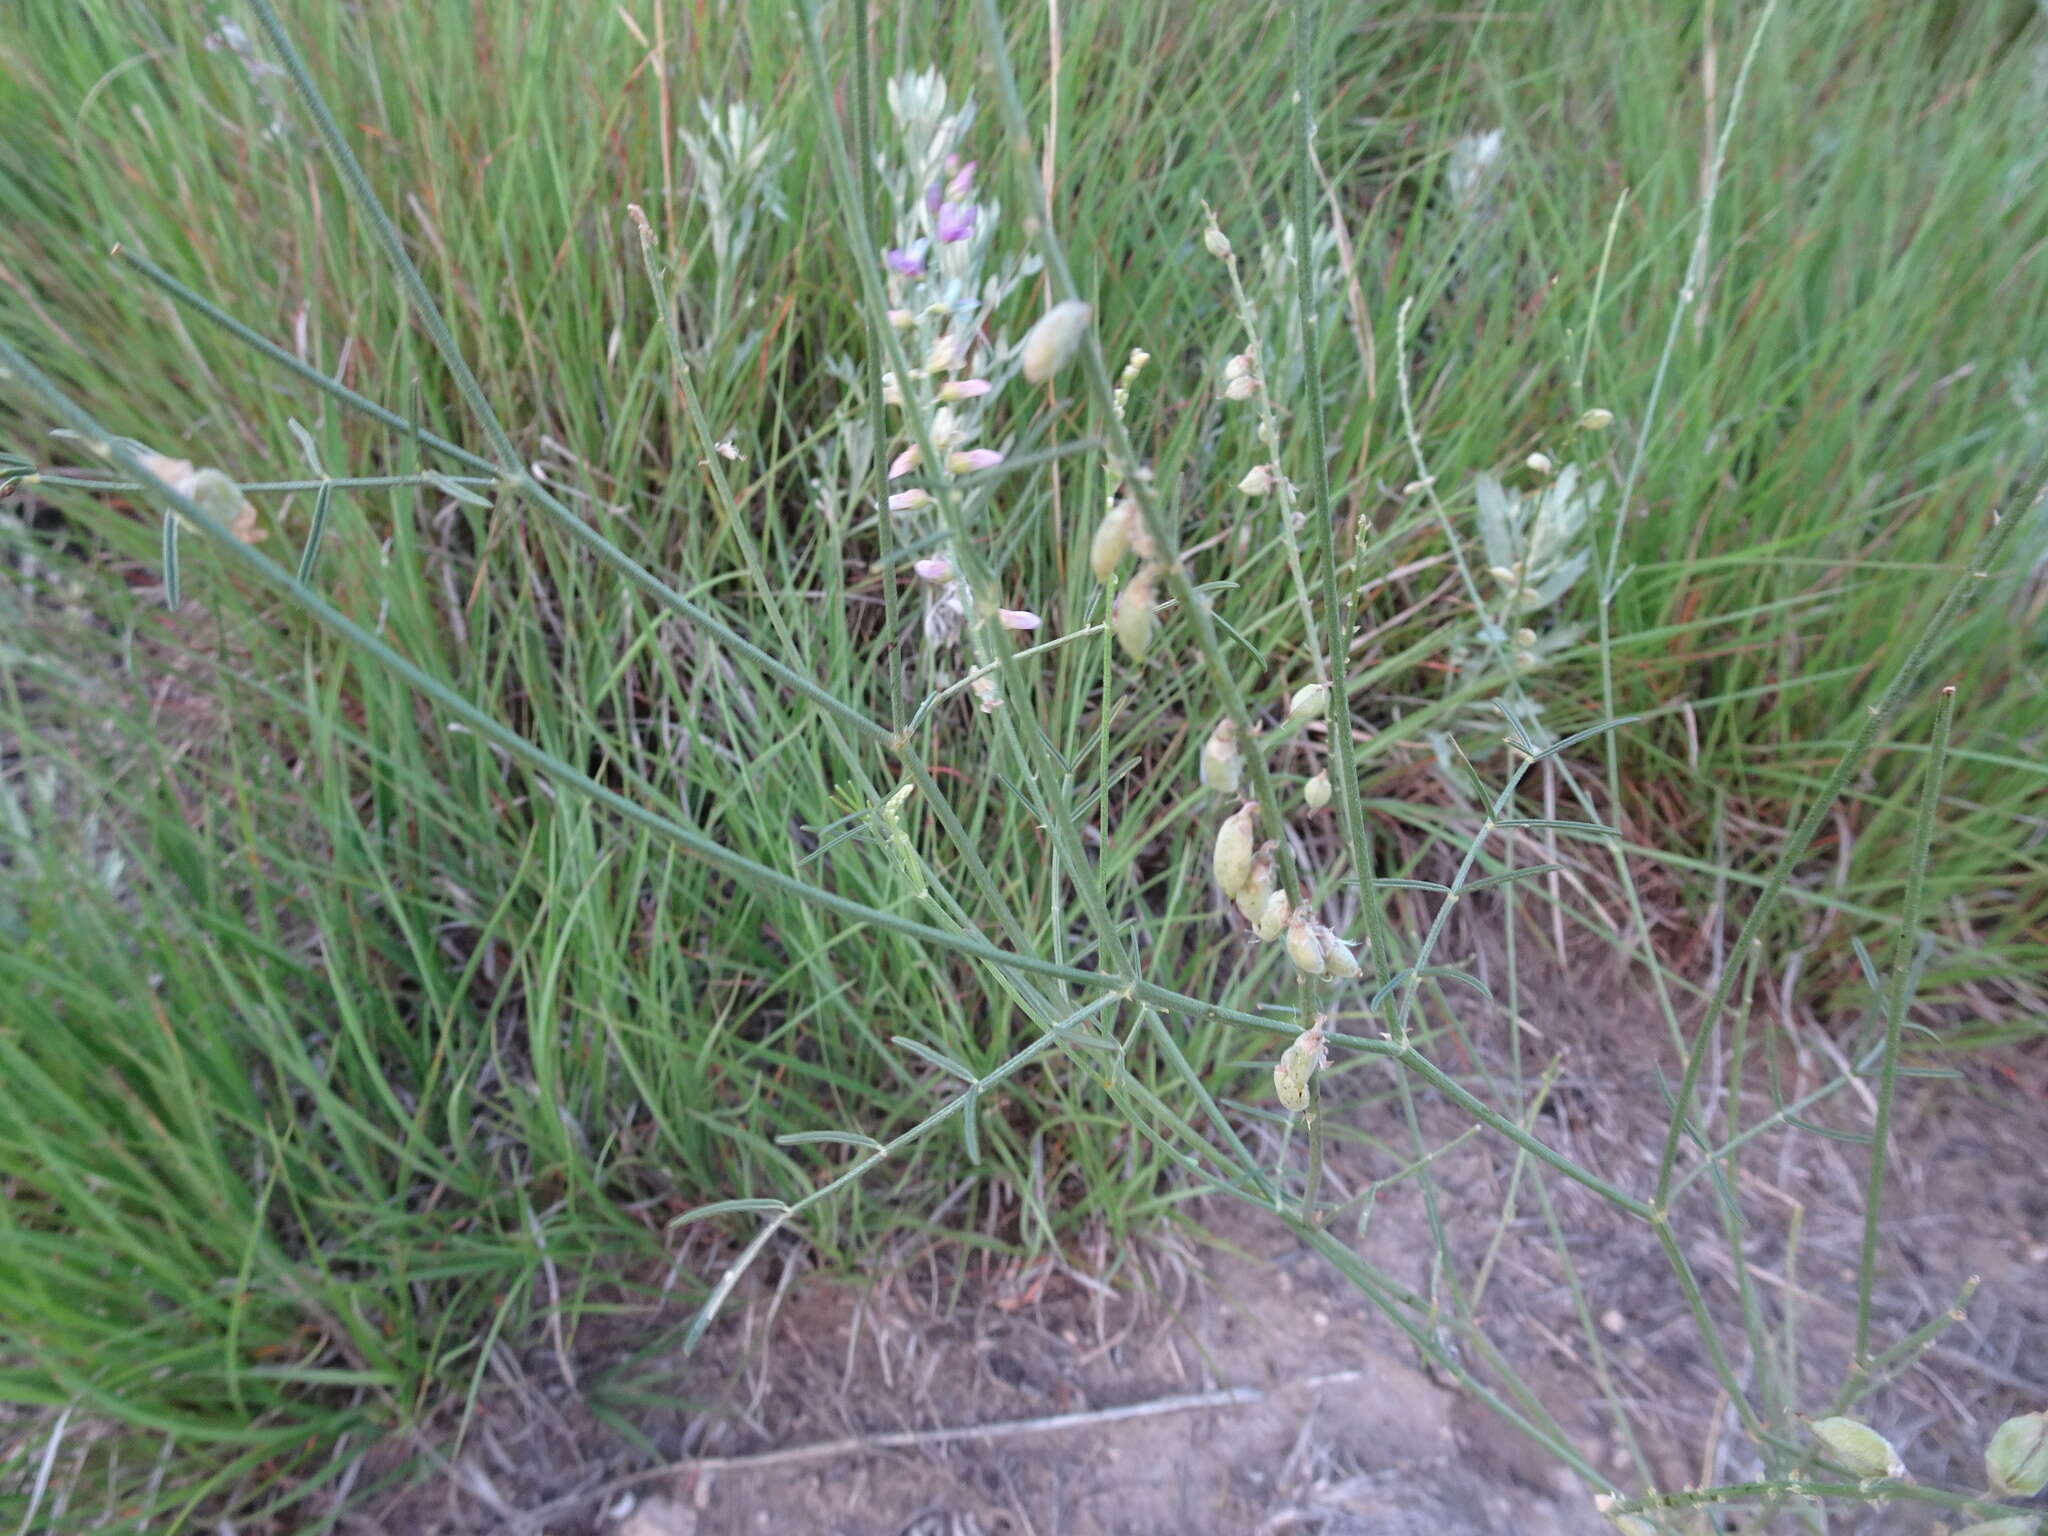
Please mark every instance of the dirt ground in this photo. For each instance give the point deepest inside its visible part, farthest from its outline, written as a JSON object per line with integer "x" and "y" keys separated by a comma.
{"x": 1232, "y": 1382}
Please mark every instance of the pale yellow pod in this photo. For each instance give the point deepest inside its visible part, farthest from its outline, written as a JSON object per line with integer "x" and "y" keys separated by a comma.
{"x": 1258, "y": 885}
{"x": 1272, "y": 917}
{"x": 1231, "y": 862}
{"x": 1112, "y": 541}
{"x": 1133, "y": 617}
{"x": 1222, "y": 762}
{"x": 1303, "y": 947}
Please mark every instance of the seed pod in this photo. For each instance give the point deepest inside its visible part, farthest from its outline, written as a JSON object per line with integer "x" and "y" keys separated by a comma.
{"x": 1222, "y": 761}
{"x": 1309, "y": 701}
{"x": 1338, "y": 961}
{"x": 1297, "y": 1064}
{"x": 1242, "y": 387}
{"x": 1258, "y": 885}
{"x": 1272, "y": 919}
{"x": 1317, "y": 791}
{"x": 1540, "y": 462}
{"x": 1304, "y": 948}
{"x": 1597, "y": 420}
{"x": 2016, "y": 1460}
{"x": 1859, "y": 1448}
{"x": 212, "y": 491}
{"x": 1217, "y": 243}
{"x": 1051, "y": 344}
{"x": 1112, "y": 541}
{"x": 1132, "y": 619}
{"x": 1231, "y": 862}
{"x": 1257, "y": 481}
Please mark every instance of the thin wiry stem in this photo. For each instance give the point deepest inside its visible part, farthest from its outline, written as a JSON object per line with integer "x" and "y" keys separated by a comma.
{"x": 1897, "y": 999}
{"x": 1903, "y": 682}
{"x": 509, "y": 465}
{"x": 1322, "y": 511}
{"x": 878, "y": 429}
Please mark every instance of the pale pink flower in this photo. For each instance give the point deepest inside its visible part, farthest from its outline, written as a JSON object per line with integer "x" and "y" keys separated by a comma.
{"x": 934, "y": 570}
{"x": 909, "y": 501}
{"x": 904, "y": 462}
{"x": 964, "y": 389}
{"x": 1018, "y": 618}
{"x": 971, "y": 459}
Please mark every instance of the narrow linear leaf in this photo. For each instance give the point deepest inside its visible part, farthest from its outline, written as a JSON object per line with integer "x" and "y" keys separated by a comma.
{"x": 828, "y": 1138}
{"x": 755, "y": 1204}
{"x": 937, "y": 1058}
{"x": 322, "y": 500}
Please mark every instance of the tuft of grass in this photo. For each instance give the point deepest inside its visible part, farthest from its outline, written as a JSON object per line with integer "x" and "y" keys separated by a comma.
{"x": 345, "y": 1036}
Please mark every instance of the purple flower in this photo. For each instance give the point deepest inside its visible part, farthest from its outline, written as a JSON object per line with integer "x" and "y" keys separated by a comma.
{"x": 961, "y": 187}
{"x": 956, "y": 221}
{"x": 908, "y": 261}
{"x": 934, "y": 195}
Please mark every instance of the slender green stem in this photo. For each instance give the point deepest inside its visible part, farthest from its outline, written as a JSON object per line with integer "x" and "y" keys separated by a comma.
{"x": 878, "y": 429}
{"x": 508, "y": 463}
{"x": 339, "y": 482}
{"x": 1322, "y": 511}
{"x": 1903, "y": 681}
{"x": 1895, "y": 1003}
{"x": 61, "y": 406}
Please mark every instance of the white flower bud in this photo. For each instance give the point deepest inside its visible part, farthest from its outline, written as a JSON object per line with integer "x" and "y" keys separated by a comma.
{"x": 1238, "y": 367}
{"x": 1272, "y": 917}
{"x": 1242, "y": 387}
{"x": 1309, "y": 701}
{"x": 1132, "y": 619}
{"x": 1596, "y": 420}
{"x": 1050, "y": 344}
{"x": 1525, "y": 638}
{"x": 1231, "y": 860}
{"x": 1222, "y": 760}
{"x": 1111, "y": 542}
{"x": 1258, "y": 481}
{"x": 1304, "y": 948}
{"x": 1317, "y": 791}
{"x": 1540, "y": 462}
{"x": 1218, "y": 243}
